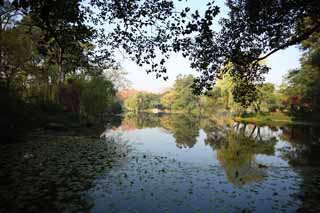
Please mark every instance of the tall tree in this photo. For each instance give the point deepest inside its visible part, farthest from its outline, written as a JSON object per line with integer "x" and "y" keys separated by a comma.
{"x": 303, "y": 85}
{"x": 185, "y": 99}
{"x": 253, "y": 30}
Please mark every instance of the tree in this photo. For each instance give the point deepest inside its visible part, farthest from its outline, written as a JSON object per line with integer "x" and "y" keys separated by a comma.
{"x": 302, "y": 85}
{"x": 226, "y": 84}
{"x": 15, "y": 55}
{"x": 118, "y": 76}
{"x": 142, "y": 101}
{"x": 168, "y": 98}
{"x": 212, "y": 101}
{"x": 185, "y": 99}
{"x": 253, "y": 30}
{"x": 98, "y": 97}
{"x": 265, "y": 97}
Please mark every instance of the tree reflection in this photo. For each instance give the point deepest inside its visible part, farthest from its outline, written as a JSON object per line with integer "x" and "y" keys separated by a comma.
{"x": 303, "y": 155}
{"x": 184, "y": 128}
{"x": 140, "y": 121}
{"x": 237, "y": 149}
{"x": 305, "y": 147}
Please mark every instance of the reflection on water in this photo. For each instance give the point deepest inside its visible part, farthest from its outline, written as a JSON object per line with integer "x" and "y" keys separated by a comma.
{"x": 184, "y": 163}
{"x": 236, "y": 154}
{"x": 185, "y": 129}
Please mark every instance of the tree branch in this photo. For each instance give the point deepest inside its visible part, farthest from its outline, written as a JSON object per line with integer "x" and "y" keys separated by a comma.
{"x": 293, "y": 41}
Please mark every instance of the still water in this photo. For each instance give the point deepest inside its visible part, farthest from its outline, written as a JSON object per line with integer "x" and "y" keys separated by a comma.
{"x": 183, "y": 163}
{"x": 165, "y": 163}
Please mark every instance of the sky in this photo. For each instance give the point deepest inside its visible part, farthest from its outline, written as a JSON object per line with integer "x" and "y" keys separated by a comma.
{"x": 280, "y": 62}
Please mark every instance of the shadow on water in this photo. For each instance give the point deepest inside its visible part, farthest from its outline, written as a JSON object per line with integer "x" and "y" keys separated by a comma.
{"x": 303, "y": 154}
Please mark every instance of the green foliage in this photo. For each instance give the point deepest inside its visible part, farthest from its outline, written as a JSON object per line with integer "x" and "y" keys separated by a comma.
{"x": 253, "y": 31}
{"x": 142, "y": 101}
{"x": 244, "y": 92}
{"x": 266, "y": 98}
{"x": 302, "y": 86}
{"x": 98, "y": 98}
{"x": 43, "y": 43}
{"x": 181, "y": 96}
{"x": 272, "y": 118}
{"x": 36, "y": 63}
{"x": 168, "y": 98}
{"x": 213, "y": 101}
{"x": 185, "y": 99}
{"x": 221, "y": 97}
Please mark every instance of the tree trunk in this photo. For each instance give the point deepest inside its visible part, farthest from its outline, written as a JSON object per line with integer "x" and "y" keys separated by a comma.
{"x": 60, "y": 66}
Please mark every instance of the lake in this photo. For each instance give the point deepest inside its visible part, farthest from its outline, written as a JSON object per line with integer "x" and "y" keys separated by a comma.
{"x": 183, "y": 163}
{"x": 165, "y": 163}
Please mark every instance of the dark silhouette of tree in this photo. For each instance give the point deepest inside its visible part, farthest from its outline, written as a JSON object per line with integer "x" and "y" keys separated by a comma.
{"x": 253, "y": 30}
{"x": 149, "y": 30}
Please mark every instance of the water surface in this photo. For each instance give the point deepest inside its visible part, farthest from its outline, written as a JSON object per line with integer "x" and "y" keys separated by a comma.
{"x": 183, "y": 163}
{"x": 165, "y": 163}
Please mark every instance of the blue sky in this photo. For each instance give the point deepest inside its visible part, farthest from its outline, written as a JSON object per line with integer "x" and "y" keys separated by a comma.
{"x": 279, "y": 62}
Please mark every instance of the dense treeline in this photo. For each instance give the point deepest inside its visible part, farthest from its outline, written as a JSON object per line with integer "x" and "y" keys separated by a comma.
{"x": 302, "y": 85}
{"x": 142, "y": 101}
{"x": 37, "y": 78}
{"x": 148, "y": 31}
{"x": 297, "y": 96}
{"x": 181, "y": 98}
{"x": 54, "y": 53}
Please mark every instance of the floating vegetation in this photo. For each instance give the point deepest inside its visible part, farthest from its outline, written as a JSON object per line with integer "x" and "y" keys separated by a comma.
{"x": 245, "y": 169}
{"x": 188, "y": 187}
{"x": 52, "y": 174}
{"x": 240, "y": 168}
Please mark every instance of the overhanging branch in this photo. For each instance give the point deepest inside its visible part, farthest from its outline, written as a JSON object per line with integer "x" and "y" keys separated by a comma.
{"x": 293, "y": 41}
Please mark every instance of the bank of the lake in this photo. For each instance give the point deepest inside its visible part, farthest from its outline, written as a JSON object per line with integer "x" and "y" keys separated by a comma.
{"x": 51, "y": 164}
{"x": 273, "y": 118}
